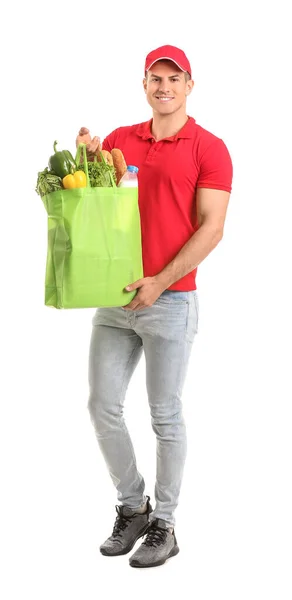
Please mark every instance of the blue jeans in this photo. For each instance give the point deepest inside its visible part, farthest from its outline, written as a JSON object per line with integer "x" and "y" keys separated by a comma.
{"x": 165, "y": 331}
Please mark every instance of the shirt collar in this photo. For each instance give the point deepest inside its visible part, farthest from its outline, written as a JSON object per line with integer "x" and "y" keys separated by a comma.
{"x": 186, "y": 132}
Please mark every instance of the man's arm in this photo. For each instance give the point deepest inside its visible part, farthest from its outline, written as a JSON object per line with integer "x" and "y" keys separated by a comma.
{"x": 211, "y": 211}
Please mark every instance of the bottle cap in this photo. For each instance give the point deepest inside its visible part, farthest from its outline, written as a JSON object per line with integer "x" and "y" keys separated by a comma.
{"x": 132, "y": 169}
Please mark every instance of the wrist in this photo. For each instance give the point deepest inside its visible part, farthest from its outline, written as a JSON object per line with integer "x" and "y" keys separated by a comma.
{"x": 162, "y": 281}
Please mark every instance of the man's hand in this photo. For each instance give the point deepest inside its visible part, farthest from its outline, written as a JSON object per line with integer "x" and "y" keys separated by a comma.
{"x": 93, "y": 146}
{"x": 150, "y": 289}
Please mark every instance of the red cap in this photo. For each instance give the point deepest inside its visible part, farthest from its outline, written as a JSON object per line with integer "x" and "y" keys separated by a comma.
{"x": 168, "y": 53}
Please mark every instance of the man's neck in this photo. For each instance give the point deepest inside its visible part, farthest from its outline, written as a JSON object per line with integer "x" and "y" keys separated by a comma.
{"x": 164, "y": 126}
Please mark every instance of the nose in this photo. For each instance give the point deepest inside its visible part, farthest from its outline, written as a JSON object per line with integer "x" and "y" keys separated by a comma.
{"x": 164, "y": 87}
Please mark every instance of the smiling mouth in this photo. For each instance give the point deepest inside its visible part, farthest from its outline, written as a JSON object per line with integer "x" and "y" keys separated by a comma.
{"x": 164, "y": 98}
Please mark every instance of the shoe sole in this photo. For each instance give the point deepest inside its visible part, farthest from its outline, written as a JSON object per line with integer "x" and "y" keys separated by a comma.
{"x": 173, "y": 552}
{"x": 128, "y": 548}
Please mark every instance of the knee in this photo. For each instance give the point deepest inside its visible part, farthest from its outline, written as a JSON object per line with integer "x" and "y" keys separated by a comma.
{"x": 103, "y": 415}
{"x": 167, "y": 425}
{"x": 96, "y": 406}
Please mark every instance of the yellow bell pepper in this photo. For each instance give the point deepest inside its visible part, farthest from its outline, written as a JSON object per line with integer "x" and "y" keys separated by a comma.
{"x": 77, "y": 180}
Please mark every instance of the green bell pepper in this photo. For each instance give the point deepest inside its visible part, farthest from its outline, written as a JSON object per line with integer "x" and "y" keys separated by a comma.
{"x": 62, "y": 163}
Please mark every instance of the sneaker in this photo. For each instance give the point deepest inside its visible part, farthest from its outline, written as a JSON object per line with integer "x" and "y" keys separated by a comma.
{"x": 159, "y": 545}
{"x": 128, "y": 528}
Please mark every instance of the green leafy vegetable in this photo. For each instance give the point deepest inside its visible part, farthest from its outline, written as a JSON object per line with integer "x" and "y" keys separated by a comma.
{"x": 48, "y": 182}
{"x": 99, "y": 173}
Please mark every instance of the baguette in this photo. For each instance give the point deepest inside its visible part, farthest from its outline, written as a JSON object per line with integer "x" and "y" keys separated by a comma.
{"x": 120, "y": 164}
{"x": 108, "y": 157}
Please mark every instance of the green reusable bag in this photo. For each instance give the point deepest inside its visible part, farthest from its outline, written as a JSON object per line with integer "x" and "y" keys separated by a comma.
{"x": 94, "y": 245}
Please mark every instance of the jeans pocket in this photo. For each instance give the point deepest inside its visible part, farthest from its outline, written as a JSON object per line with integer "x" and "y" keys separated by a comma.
{"x": 173, "y": 297}
{"x": 173, "y": 302}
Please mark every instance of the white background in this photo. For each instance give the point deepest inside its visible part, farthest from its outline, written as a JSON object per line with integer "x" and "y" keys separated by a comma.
{"x": 65, "y": 65}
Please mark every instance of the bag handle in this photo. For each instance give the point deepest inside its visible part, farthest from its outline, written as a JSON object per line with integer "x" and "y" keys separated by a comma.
{"x": 104, "y": 161}
{"x": 82, "y": 148}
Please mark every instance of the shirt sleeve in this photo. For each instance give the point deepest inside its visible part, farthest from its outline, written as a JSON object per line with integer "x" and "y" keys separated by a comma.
{"x": 216, "y": 169}
{"x": 110, "y": 141}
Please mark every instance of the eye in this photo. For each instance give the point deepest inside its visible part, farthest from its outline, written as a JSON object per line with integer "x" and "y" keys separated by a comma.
{"x": 173, "y": 79}
{"x": 154, "y": 79}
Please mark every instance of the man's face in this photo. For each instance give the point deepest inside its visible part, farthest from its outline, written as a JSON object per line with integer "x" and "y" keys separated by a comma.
{"x": 166, "y": 87}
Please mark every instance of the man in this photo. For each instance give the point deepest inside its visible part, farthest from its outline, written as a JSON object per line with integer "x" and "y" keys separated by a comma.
{"x": 185, "y": 176}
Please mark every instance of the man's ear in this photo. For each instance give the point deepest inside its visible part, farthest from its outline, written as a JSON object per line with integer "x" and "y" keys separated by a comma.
{"x": 145, "y": 84}
{"x": 190, "y": 85}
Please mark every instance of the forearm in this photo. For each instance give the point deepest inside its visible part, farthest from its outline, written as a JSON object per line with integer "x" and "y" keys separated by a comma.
{"x": 190, "y": 256}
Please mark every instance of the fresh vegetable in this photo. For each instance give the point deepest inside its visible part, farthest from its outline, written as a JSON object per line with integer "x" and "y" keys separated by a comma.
{"x": 66, "y": 173}
{"x": 77, "y": 180}
{"x": 99, "y": 173}
{"x": 62, "y": 163}
{"x": 47, "y": 182}
{"x": 80, "y": 178}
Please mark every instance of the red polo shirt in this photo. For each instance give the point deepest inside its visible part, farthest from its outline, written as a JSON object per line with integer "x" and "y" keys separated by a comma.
{"x": 169, "y": 173}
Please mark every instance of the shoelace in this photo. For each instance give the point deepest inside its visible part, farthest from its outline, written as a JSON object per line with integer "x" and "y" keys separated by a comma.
{"x": 155, "y": 536}
{"x": 121, "y": 523}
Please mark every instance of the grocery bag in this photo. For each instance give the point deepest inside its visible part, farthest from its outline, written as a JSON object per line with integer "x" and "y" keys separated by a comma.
{"x": 94, "y": 245}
